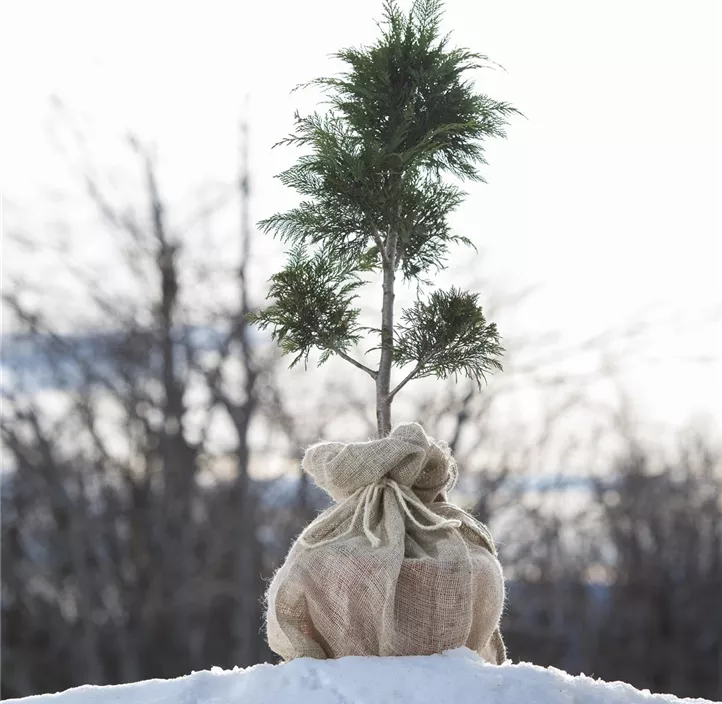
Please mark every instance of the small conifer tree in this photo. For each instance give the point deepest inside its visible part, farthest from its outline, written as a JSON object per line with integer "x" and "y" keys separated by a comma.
{"x": 401, "y": 118}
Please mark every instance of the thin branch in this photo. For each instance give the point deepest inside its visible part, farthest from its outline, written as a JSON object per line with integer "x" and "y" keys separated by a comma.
{"x": 419, "y": 366}
{"x": 406, "y": 379}
{"x": 372, "y": 373}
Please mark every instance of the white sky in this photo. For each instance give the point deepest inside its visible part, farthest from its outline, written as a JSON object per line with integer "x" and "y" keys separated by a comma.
{"x": 608, "y": 195}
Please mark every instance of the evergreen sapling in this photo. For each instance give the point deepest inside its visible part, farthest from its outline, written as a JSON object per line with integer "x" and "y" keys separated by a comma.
{"x": 374, "y": 178}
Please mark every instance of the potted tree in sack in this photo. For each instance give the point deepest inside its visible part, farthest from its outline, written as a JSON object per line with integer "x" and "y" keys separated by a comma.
{"x": 392, "y": 568}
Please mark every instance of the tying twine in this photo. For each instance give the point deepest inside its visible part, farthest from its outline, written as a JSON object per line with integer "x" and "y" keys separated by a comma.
{"x": 366, "y": 497}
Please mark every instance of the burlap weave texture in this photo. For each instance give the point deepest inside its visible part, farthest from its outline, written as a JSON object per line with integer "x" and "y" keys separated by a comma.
{"x": 392, "y": 568}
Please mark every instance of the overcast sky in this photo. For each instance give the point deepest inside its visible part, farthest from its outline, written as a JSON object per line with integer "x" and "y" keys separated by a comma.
{"x": 608, "y": 194}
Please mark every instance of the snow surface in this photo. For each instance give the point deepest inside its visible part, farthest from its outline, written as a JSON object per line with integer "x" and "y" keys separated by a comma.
{"x": 457, "y": 676}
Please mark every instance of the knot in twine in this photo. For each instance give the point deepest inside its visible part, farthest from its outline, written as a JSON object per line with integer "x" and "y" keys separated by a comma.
{"x": 407, "y": 463}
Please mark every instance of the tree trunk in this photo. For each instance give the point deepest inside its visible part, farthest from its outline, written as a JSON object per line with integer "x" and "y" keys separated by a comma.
{"x": 383, "y": 379}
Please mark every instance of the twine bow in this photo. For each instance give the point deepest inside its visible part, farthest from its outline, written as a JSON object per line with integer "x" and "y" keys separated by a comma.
{"x": 366, "y": 498}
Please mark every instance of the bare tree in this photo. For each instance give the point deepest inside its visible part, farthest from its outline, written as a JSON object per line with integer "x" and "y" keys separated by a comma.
{"x": 664, "y": 520}
{"x": 112, "y": 478}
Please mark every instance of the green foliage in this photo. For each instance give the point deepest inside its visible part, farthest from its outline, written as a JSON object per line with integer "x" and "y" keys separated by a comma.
{"x": 448, "y": 335}
{"x": 400, "y": 117}
{"x": 403, "y": 116}
{"x": 424, "y": 234}
{"x": 342, "y": 184}
{"x": 313, "y": 304}
{"x": 406, "y": 94}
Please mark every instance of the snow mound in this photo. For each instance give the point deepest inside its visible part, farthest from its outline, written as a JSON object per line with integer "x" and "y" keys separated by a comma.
{"x": 457, "y": 676}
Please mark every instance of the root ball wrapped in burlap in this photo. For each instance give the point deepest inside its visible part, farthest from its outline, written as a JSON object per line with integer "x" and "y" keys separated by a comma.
{"x": 392, "y": 568}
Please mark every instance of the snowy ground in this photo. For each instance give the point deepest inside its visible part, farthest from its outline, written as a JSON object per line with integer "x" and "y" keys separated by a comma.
{"x": 457, "y": 677}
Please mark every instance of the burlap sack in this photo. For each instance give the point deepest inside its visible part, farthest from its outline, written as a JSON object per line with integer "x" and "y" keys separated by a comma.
{"x": 392, "y": 568}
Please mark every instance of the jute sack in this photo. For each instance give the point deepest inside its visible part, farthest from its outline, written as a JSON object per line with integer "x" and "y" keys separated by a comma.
{"x": 392, "y": 568}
